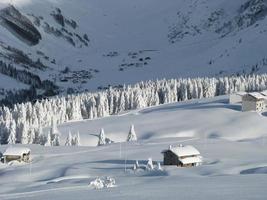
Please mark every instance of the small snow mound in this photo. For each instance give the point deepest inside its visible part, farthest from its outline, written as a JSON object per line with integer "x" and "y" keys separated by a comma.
{"x": 100, "y": 183}
{"x": 97, "y": 184}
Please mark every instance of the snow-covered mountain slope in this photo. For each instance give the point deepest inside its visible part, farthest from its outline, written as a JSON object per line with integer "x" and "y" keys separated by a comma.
{"x": 90, "y": 44}
{"x": 234, "y": 155}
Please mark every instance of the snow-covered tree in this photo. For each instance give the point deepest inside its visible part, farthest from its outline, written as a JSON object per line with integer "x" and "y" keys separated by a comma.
{"x": 54, "y": 130}
{"x": 49, "y": 141}
{"x": 149, "y": 165}
{"x": 48, "y": 112}
{"x": 42, "y": 139}
{"x": 24, "y": 128}
{"x": 56, "y": 140}
{"x": 136, "y": 165}
{"x": 12, "y": 135}
{"x": 76, "y": 140}
{"x": 69, "y": 140}
{"x": 101, "y": 138}
{"x": 159, "y": 166}
{"x": 38, "y": 135}
{"x": 132, "y": 135}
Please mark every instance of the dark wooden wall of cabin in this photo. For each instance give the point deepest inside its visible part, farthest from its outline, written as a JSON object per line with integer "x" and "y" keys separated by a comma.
{"x": 170, "y": 158}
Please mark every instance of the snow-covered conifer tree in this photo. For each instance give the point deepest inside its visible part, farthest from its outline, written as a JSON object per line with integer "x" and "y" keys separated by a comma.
{"x": 159, "y": 166}
{"x": 150, "y": 165}
{"x": 38, "y": 134}
{"x": 42, "y": 139}
{"x": 132, "y": 135}
{"x": 48, "y": 140}
{"x": 136, "y": 165}
{"x": 102, "y": 138}
{"x": 56, "y": 140}
{"x": 76, "y": 140}
{"x": 54, "y": 130}
{"x": 24, "y": 133}
{"x": 31, "y": 136}
{"x": 69, "y": 140}
{"x": 12, "y": 135}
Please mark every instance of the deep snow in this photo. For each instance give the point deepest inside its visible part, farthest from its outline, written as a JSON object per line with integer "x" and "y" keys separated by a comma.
{"x": 232, "y": 143}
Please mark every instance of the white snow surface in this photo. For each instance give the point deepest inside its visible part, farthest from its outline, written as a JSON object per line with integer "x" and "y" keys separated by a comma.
{"x": 232, "y": 143}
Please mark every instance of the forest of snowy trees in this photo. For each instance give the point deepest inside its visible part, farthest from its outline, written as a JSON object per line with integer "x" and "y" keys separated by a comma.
{"x": 24, "y": 122}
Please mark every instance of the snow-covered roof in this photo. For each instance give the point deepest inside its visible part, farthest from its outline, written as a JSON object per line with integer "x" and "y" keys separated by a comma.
{"x": 264, "y": 93}
{"x": 257, "y": 95}
{"x": 189, "y": 160}
{"x": 239, "y": 93}
{"x": 16, "y": 151}
{"x": 184, "y": 151}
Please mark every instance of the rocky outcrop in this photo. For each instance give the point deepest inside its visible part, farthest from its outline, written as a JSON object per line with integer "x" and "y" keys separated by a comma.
{"x": 249, "y": 14}
{"x": 19, "y": 25}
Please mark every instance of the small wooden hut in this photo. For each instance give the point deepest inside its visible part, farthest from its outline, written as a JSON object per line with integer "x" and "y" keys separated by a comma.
{"x": 182, "y": 156}
{"x": 253, "y": 101}
{"x": 20, "y": 154}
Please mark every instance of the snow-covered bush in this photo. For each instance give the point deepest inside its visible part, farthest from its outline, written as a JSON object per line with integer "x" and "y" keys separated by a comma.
{"x": 100, "y": 183}
{"x": 110, "y": 182}
{"x": 97, "y": 183}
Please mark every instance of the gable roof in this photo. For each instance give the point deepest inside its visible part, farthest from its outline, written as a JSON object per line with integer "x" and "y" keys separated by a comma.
{"x": 256, "y": 95}
{"x": 239, "y": 93}
{"x": 16, "y": 151}
{"x": 181, "y": 151}
{"x": 264, "y": 93}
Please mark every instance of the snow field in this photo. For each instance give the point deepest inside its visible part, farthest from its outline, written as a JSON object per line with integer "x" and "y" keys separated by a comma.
{"x": 234, "y": 158}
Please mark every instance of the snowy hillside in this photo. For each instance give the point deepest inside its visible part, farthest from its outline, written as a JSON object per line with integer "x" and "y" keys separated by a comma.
{"x": 234, "y": 155}
{"x": 92, "y": 44}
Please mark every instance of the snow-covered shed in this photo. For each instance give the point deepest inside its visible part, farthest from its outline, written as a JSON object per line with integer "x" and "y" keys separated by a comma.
{"x": 236, "y": 97}
{"x": 182, "y": 156}
{"x": 253, "y": 101}
{"x": 20, "y": 154}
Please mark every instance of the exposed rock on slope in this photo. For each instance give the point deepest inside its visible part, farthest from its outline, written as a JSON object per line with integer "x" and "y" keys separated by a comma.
{"x": 19, "y": 25}
{"x": 249, "y": 14}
